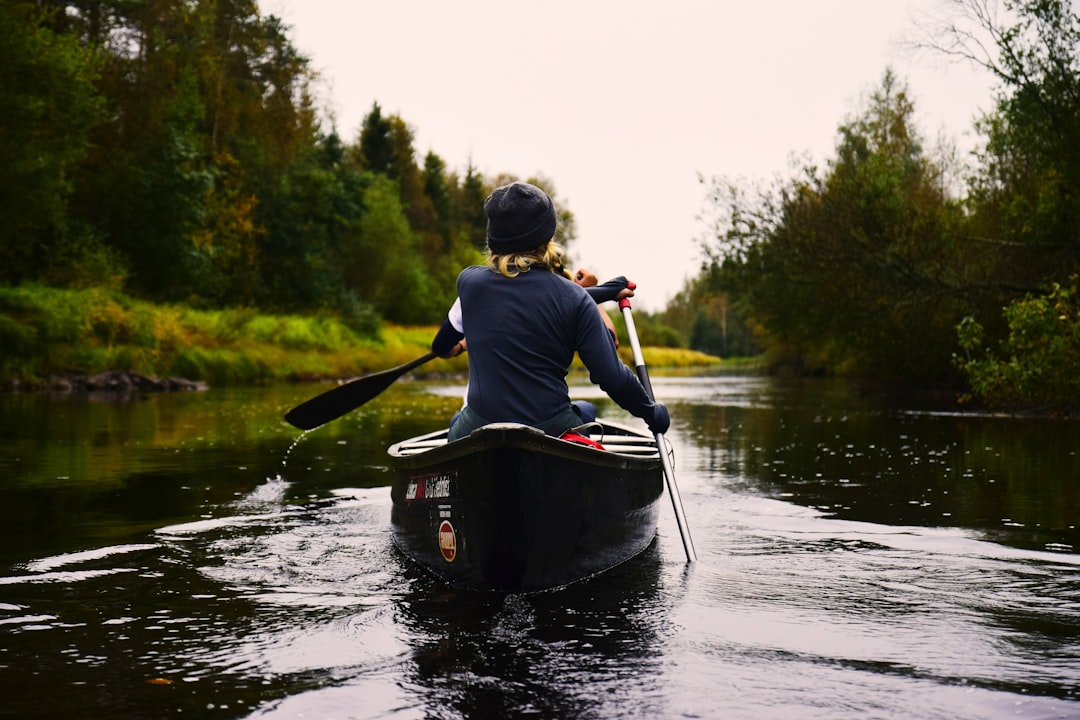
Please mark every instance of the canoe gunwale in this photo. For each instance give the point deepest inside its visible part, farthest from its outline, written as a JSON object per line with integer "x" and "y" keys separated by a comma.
{"x": 624, "y": 447}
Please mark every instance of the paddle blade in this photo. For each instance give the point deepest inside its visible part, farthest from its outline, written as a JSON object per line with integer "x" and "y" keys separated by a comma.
{"x": 340, "y": 400}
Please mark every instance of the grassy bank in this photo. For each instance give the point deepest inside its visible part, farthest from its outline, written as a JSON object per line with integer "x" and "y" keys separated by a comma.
{"x": 45, "y": 332}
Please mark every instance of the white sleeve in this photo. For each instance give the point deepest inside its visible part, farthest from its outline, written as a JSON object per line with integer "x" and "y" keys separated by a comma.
{"x": 456, "y": 321}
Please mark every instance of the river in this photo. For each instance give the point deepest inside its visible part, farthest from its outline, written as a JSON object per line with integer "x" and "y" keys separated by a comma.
{"x": 191, "y": 555}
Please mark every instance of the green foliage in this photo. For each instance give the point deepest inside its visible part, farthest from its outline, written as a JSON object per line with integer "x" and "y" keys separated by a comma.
{"x": 308, "y": 220}
{"x": 853, "y": 269}
{"x": 47, "y": 330}
{"x": 670, "y": 358}
{"x": 1025, "y": 194}
{"x": 375, "y": 151}
{"x": 298, "y": 333}
{"x": 81, "y": 259}
{"x": 171, "y": 150}
{"x": 651, "y": 330}
{"x": 49, "y": 106}
{"x": 357, "y": 315}
{"x": 385, "y": 262}
{"x": 20, "y": 343}
{"x": 470, "y": 200}
{"x": 218, "y": 366}
{"x": 867, "y": 265}
{"x": 1038, "y": 363}
{"x": 435, "y": 188}
{"x": 704, "y": 314}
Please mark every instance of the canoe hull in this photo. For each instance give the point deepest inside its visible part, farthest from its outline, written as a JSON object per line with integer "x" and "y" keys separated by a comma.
{"x": 510, "y": 509}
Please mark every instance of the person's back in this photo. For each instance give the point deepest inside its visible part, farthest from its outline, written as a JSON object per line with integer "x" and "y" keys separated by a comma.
{"x": 524, "y": 321}
{"x": 523, "y": 333}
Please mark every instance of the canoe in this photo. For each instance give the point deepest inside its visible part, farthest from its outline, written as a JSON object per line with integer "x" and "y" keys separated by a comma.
{"x": 510, "y": 509}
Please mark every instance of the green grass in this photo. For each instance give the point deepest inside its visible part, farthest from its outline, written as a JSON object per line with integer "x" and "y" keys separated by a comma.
{"x": 47, "y": 331}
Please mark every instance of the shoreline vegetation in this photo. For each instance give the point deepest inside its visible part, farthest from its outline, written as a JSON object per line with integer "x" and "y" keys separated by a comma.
{"x": 97, "y": 339}
{"x": 199, "y": 174}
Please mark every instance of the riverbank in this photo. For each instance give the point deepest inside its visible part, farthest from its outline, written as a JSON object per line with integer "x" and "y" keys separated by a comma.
{"x": 55, "y": 339}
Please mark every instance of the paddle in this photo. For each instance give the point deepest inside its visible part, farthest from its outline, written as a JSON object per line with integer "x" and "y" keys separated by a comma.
{"x": 669, "y": 471}
{"x": 342, "y": 399}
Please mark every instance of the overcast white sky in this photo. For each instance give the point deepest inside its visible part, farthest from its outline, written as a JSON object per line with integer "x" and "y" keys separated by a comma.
{"x": 624, "y": 103}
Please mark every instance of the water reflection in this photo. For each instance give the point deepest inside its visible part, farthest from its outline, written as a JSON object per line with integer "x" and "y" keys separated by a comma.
{"x": 968, "y": 627}
{"x": 853, "y": 457}
{"x": 193, "y": 556}
{"x": 282, "y": 608}
{"x": 567, "y": 654}
{"x": 78, "y": 471}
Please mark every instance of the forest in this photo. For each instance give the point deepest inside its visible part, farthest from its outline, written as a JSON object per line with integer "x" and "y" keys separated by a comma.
{"x": 172, "y": 151}
{"x": 898, "y": 261}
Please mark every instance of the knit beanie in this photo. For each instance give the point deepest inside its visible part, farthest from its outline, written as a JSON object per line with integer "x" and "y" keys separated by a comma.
{"x": 520, "y": 217}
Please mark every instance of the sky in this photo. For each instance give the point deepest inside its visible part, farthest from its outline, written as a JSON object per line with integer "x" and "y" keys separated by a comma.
{"x": 626, "y": 104}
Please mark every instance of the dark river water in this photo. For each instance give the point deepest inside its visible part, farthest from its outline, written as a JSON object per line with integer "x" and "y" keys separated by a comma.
{"x": 193, "y": 556}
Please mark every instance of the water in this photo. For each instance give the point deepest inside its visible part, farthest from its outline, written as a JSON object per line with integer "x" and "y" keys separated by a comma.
{"x": 192, "y": 556}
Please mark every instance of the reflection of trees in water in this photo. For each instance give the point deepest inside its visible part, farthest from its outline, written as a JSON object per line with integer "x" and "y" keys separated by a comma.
{"x": 567, "y": 653}
{"x": 858, "y": 458}
{"x": 75, "y": 468}
{"x": 91, "y": 443}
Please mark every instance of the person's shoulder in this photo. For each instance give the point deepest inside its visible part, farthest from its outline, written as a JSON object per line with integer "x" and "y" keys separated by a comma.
{"x": 471, "y": 272}
{"x": 571, "y": 287}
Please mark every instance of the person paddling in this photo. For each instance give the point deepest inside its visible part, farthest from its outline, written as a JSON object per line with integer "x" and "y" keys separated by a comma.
{"x": 524, "y": 322}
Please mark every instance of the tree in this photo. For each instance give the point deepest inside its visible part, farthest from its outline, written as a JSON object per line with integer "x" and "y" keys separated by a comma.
{"x": 49, "y": 107}
{"x": 209, "y": 107}
{"x": 854, "y": 269}
{"x": 470, "y": 202}
{"x": 374, "y": 149}
{"x": 1025, "y": 195}
{"x": 171, "y": 147}
{"x": 435, "y": 188}
{"x": 312, "y": 219}
{"x": 384, "y": 265}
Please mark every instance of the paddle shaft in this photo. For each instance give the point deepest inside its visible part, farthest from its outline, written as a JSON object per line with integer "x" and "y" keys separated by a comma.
{"x": 665, "y": 460}
{"x": 338, "y": 401}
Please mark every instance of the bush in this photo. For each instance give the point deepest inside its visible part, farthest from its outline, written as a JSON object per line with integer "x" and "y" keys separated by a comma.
{"x": 357, "y": 315}
{"x": 1038, "y": 364}
{"x": 219, "y": 367}
{"x": 20, "y": 346}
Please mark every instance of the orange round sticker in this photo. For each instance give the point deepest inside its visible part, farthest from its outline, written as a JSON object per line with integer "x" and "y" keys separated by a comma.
{"x": 447, "y": 541}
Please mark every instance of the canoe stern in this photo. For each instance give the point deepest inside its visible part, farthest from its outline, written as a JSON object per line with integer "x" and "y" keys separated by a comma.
{"x": 512, "y": 510}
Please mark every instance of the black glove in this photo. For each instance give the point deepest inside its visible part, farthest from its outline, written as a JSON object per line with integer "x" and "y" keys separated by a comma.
{"x": 661, "y": 421}
{"x": 607, "y": 291}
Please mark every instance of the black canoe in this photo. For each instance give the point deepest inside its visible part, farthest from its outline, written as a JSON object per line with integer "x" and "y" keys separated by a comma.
{"x": 511, "y": 509}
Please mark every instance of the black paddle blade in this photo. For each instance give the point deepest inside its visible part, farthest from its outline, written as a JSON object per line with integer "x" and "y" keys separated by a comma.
{"x": 338, "y": 401}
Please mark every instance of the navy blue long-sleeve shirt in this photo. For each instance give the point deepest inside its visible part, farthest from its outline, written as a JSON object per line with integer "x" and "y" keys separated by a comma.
{"x": 523, "y": 333}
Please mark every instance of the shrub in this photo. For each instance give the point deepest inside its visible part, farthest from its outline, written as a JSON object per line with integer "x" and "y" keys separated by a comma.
{"x": 1038, "y": 363}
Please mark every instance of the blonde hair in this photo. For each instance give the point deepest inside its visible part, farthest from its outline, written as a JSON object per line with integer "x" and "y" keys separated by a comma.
{"x": 548, "y": 256}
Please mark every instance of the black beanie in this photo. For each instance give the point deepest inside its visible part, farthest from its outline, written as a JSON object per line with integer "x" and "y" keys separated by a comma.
{"x": 520, "y": 217}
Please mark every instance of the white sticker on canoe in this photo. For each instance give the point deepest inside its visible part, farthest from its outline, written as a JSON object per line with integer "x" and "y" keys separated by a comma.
{"x": 429, "y": 487}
